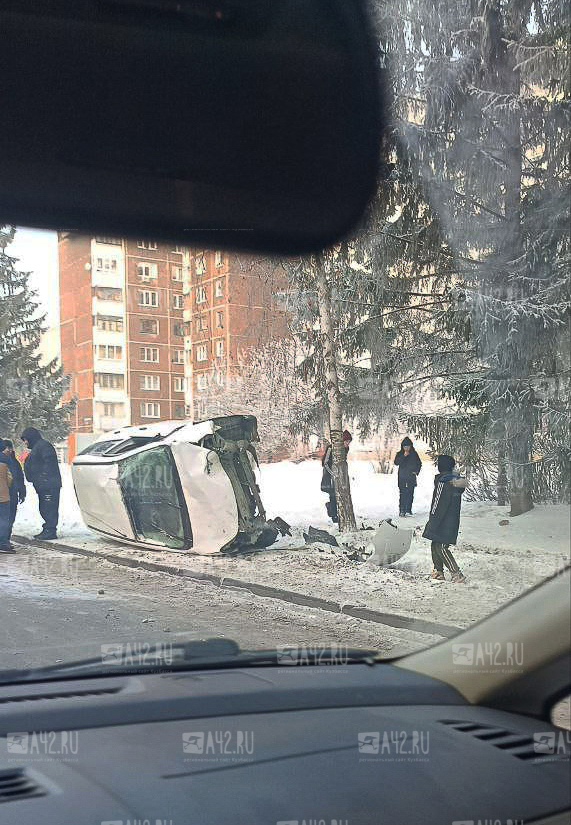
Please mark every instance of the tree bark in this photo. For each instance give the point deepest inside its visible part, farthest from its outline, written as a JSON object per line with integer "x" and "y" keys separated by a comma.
{"x": 340, "y": 470}
{"x": 518, "y": 423}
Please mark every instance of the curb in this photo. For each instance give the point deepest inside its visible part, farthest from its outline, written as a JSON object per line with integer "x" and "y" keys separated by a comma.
{"x": 262, "y": 590}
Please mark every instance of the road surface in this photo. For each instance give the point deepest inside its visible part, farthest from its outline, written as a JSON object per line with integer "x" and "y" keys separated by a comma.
{"x": 58, "y": 606}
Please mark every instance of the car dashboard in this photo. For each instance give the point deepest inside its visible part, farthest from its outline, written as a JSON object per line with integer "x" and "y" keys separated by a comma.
{"x": 360, "y": 744}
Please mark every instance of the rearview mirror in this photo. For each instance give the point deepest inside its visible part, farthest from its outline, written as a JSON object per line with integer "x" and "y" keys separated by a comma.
{"x": 241, "y": 123}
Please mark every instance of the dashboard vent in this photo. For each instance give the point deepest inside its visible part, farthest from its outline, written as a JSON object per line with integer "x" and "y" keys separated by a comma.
{"x": 16, "y": 784}
{"x": 60, "y": 694}
{"x": 519, "y": 745}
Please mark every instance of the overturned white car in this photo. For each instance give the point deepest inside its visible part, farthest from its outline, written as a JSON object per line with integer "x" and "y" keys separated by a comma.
{"x": 176, "y": 485}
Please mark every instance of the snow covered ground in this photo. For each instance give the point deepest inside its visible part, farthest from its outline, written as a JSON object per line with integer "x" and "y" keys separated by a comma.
{"x": 500, "y": 561}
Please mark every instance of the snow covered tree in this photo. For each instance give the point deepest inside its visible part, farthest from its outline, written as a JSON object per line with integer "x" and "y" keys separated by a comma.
{"x": 30, "y": 392}
{"x": 263, "y": 383}
{"x": 483, "y": 91}
{"x": 313, "y": 301}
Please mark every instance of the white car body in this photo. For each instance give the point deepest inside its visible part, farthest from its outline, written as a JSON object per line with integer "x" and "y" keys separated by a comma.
{"x": 175, "y": 485}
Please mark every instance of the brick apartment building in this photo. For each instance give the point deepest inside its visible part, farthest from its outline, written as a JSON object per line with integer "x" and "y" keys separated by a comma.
{"x": 145, "y": 326}
{"x": 230, "y": 309}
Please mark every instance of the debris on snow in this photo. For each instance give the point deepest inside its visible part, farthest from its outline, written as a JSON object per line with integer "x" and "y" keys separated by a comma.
{"x": 314, "y": 535}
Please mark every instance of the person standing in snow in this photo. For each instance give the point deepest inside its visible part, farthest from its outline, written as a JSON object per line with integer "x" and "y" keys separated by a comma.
{"x": 409, "y": 464}
{"x": 18, "y": 486}
{"x": 444, "y": 522}
{"x": 327, "y": 479}
{"x": 5, "y": 484}
{"x": 42, "y": 470}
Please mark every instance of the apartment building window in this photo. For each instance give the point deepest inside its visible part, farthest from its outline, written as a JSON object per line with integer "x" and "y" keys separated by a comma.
{"x": 110, "y": 323}
{"x": 179, "y": 330}
{"x": 178, "y": 301}
{"x": 219, "y": 289}
{"x": 105, "y": 239}
{"x": 109, "y": 293}
{"x": 147, "y": 298}
{"x": 202, "y": 382}
{"x": 104, "y": 264}
{"x": 147, "y": 244}
{"x": 218, "y": 261}
{"x": 150, "y": 354}
{"x": 179, "y": 410}
{"x": 146, "y": 271}
{"x": 176, "y": 273}
{"x": 200, "y": 265}
{"x": 112, "y": 410}
{"x": 178, "y": 356}
{"x": 178, "y": 384}
{"x": 220, "y": 319}
{"x": 109, "y": 380}
{"x": 150, "y": 382}
{"x": 150, "y": 409}
{"x": 201, "y": 352}
{"x": 220, "y": 378}
{"x": 149, "y": 326}
{"x": 219, "y": 349}
{"x": 178, "y": 249}
{"x": 109, "y": 352}
{"x": 201, "y": 323}
{"x": 200, "y": 294}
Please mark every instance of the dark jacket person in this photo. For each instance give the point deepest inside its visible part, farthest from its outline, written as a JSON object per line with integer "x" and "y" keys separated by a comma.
{"x": 5, "y": 484}
{"x": 42, "y": 470}
{"x": 18, "y": 486}
{"x": 409, "y": 464}
{"x": 444, "y": 522}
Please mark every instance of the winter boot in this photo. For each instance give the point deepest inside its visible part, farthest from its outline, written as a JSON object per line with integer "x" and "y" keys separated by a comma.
{"x": 46, "y": 535}
{"x": 458, "y": 578}
{"x": 438, "y": 575}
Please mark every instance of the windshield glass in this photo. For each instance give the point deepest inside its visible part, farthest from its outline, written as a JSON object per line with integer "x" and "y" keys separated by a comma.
{"x": 397, "y": 466}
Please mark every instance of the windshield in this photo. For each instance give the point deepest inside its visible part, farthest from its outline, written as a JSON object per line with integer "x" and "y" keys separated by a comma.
{"x": 380, "y": 453}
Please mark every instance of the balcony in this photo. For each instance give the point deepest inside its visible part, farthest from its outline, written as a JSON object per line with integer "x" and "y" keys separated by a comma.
{"x": 106, "y": 336}
{"x": 109, "y": 394}
{"x": 109, "y": 365}
{"x": 106, "y": 423}
{"x": 100, "y": 306}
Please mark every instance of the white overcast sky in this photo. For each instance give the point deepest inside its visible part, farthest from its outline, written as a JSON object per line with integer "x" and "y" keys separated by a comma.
{"x": 37, "y": 252}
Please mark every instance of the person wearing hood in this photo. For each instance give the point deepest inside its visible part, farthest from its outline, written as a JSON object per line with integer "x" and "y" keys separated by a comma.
{"x": 327, "y": 479}
{"x": 5, "y": 485}
{"x": 444, "y": 521}
{"x": 409, "y": 464}
{"x": 42, "y": 470}
{"x": 18, "y": 486}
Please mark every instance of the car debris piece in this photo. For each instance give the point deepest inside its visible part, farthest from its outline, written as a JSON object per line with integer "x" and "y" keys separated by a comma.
{"x": 314, "y": 535}
{"x": 390, "y": 543}
{"x": 280, "y": 524}
{"x": 176, "y": 485}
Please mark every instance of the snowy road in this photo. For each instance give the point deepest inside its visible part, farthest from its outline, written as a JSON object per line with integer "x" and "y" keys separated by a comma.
{"x": 60, "y": 606}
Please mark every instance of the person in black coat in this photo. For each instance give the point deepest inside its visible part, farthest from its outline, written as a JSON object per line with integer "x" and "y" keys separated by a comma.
{"x": 327, "y": 479}
{"x": 444, "y": 522}
{"x": 409, "y": 464}
{"x": 18, "y": 486}
{"x": 42, "y": 470}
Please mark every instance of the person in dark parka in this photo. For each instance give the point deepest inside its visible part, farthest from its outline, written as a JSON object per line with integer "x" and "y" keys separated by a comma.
{"x": 18, "y": 486}
{"x": 409, "y": 464}
{"x": 444, "y": 521}
{"x": 42, "y": 470}
{"x": 327, "y": 479}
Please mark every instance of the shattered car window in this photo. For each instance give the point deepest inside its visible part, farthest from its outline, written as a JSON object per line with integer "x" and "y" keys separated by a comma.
{"x": 150, "y": 492}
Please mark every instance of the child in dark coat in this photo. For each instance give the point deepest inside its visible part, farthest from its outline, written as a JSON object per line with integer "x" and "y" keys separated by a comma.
{"x": 444, "y": 522}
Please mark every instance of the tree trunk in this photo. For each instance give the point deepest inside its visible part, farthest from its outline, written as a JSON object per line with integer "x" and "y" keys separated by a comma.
{"x": 518, "y": 422}
{"x": 502, "y": 482}
{"x": 340, "y": 470}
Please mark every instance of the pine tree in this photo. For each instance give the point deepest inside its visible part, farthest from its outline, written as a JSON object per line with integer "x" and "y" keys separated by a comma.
{"x": 30, "y": 392}
{"x": 483, "y": 89}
